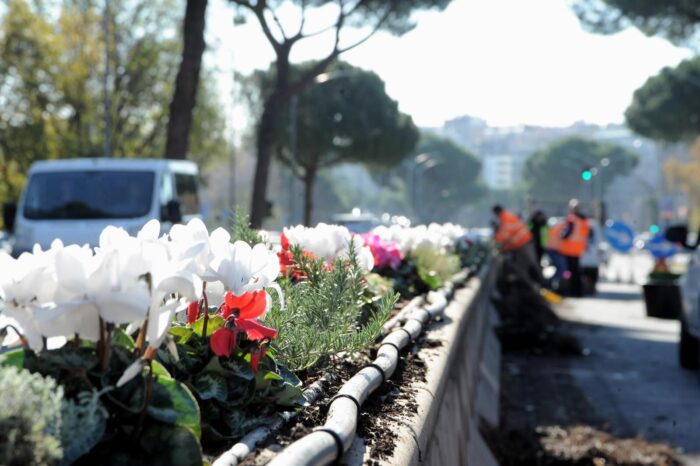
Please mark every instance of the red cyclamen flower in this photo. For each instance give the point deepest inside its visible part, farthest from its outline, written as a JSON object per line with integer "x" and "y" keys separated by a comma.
{"x": 246, "y": 306}
{"x": 192, "y": 312}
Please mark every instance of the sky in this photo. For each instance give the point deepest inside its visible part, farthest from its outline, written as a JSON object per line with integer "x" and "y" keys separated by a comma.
{"x": 509, "y": 62}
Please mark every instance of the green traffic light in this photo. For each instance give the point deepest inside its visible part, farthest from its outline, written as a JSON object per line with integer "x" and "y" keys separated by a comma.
{"x": 654, "y": 229}
{"x": 586, "y": 175}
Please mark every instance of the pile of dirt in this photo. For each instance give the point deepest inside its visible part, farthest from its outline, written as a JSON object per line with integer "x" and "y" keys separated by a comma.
{"x": 576, "y": 446}
{"x": 528, "y": 324}
{"x": 546, "y": 419}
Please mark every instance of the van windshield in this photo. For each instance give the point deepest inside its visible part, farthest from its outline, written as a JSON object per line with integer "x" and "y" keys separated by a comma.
{"x": 89, "y": 195}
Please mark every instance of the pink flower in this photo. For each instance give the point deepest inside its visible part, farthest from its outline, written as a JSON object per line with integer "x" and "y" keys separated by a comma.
{"x": 386, "y": 253}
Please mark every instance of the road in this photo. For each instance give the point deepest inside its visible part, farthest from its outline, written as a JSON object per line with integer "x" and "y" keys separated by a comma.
{"x": 631, "y": 375}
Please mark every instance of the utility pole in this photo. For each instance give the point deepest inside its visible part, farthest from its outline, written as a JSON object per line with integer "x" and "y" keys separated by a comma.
{"x": 107, "y": 94}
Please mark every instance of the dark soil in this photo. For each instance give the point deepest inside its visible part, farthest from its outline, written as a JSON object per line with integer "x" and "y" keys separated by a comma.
{"x": 528, "y": 324}
{"x": 576, "y": 446}
{"x": 393, "y": 401}
{"x": 311, "y": 417}
{"x": 390, "y": 403}
{"x": 545, "y": 418}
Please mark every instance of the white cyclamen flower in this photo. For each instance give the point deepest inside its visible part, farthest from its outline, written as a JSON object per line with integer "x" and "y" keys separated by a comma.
{"x": 329, "y": 242}
{"x": 239, "y": 267}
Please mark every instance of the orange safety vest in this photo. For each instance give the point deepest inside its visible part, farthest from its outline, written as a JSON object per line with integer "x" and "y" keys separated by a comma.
{"x": 512, "y": 233}
{"x": 554, "y": 239}
{"x": 575, "y": 244}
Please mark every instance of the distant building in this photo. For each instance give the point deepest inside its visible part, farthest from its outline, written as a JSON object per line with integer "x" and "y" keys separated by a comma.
{"x": 499, "y": 171}
{"x": 638, "y": 198}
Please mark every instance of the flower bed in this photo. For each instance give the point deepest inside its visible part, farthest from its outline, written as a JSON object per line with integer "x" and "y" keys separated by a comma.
{"x": 170, "y": 348}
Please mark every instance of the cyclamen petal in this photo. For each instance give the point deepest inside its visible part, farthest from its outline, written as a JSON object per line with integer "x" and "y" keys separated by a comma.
{"x": 239, "y": 302}
{"x": 255, "y": 330}
{"x": 222, "y": 341}
{"x": 192, "y": 312}
{"x": 255, "y": 355}
{"x": 132, "y": 371}
{"x": 150, "y": 231}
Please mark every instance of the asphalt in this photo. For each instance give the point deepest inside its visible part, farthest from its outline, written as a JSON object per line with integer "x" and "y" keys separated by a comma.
{"x": 631, "y": 374}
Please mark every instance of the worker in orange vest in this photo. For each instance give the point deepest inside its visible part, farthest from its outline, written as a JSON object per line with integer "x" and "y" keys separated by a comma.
{"x": 512, "y": 236}
{"x": 574, "y": 242}
{"x": 557, "y": 259}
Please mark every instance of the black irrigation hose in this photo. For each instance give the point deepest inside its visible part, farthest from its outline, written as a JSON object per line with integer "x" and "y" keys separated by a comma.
{"x": 319, "y": 448}
{"x": 419, "y": 313}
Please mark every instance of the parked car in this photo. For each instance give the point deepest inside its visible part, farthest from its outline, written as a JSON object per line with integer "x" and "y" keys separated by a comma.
{"x": 689, "y": 284}
{"x": 357, "y": 222}
{"x": 74, "y": 200}
{"x": 689, "y": 344}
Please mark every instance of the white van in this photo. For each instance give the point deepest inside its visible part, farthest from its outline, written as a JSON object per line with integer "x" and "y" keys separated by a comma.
{"x": 75, "y": 199}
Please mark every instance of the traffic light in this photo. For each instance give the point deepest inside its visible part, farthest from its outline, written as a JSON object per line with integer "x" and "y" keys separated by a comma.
{"x": 586, "y": 174}
{"x": 654, "y": 229}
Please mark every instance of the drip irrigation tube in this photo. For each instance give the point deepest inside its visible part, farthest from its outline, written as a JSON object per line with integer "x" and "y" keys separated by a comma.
{"x": 247, "y": 444}
{"x": 327, "y": 444}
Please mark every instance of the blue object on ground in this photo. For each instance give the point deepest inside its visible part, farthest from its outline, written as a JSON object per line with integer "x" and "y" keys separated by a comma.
{"x": 620, "y": 236}
{"x": 661, "y": 248}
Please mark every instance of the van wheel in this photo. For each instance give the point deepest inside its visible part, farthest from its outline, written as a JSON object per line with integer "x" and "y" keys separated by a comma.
{"x": 688, "y": 350}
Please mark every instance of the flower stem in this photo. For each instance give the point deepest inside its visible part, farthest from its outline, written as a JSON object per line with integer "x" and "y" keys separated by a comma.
{"x": 146, "y": 401}
{"x": 140, "y": 343}
{"x": 107, "y": 346}
{"x": 205, "y": 303}
{"x": 101, "y": 343}
{"x": 22, "y": 339}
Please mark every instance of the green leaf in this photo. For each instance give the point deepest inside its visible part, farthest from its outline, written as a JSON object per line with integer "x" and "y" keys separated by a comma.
{"x": 13, "y": 358}
{"x": 289, "y": 376}
{"x": 288, "y": 395}
{"x": 182, "y": 334}
{"x": 214, "y": 365}
{"x": 173, "y": 403}
{"x": 120, "y": 337}
{"x": 240, "y": 368}
{"x": 269, "y": 375}
{"x": 160, "y": 370}
{"x": 69, "y": 356}
{"x": 211, "y": 385}
{"x": 430, "y": 278}
{"x": 172, "y": 445}
{"x": 240, "y": 423}
{"x": 215, "y": 323}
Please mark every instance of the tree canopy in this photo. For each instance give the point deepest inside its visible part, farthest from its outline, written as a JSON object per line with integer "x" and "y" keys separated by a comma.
{"x": 685, "y": 176}
{"x": 436, "y": 181}
{"x": 667, "y": 106}
{"x": 553, "y": 174}
{"x": 366, "y": 16}
{"x": 348, "y": 117}
{"x": 51, "y": 89}
{"x": 675, "y": 20}
{"x": 448, "y": 180}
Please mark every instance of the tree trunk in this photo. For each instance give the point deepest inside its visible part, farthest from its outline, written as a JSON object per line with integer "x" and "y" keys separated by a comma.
{"x": 186, "y": 83}
{"x": 265, "y": 138}
{"x": 309, "y": 184}
{"x": 265, "y": 143}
